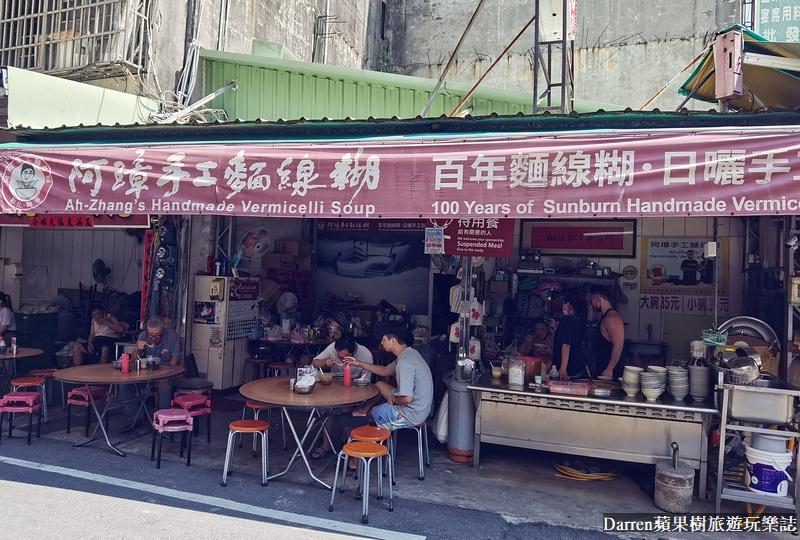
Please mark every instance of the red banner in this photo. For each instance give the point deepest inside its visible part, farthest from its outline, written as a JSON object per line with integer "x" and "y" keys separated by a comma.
{"x": 76, "y": 221}
{"x": 479, "y": 237}
{"x": 705, "y": 172}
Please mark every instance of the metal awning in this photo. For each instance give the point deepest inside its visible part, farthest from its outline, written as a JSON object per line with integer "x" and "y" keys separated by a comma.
{"x": 771, "y": 72}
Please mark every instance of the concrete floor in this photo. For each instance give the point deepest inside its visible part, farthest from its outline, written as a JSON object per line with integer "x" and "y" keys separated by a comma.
{"x": 517, "y": 484}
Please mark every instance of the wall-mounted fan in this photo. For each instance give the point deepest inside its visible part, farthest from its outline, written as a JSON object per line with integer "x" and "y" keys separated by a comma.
{"x": 100, "y": 271}
{"x": 254, "y": 243}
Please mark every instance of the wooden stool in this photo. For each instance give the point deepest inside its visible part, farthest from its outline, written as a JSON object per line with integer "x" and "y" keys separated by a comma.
{"x": 374, "y": 434}
{"x": 366, "y": 452}
{"x": 172, "y": 421}
{"x": 257, "y": 408}
{"x": 247, "y": 426}
{"x": 32, "y": 382}
{"x": 80, "y": 398}
{"x": 22, "y": 402}
{"x": 422, "y": 434}
{"x": 196, "y": 405}
{"x": 276, "y": 367}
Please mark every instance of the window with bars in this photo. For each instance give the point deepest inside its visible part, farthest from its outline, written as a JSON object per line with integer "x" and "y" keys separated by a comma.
{"x": 64, "y": 36}
{"x": 748, "y": 11}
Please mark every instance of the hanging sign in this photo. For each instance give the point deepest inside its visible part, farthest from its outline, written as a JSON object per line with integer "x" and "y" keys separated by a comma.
{"x": 581, "y": 174}
{"x": 479, "y": 237}
{"x": 434, "y": 241}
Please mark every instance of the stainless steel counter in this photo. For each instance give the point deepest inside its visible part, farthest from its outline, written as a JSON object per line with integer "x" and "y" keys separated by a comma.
{"x": 619, "y": 428}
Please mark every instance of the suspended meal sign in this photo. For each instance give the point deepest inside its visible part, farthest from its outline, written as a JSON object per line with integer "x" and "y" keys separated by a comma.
{"x": 478, "y": 237}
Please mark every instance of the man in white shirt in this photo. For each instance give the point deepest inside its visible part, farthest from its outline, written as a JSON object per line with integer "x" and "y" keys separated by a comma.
{"x": 103, "y": 338}
{"x": 332, "y": 357}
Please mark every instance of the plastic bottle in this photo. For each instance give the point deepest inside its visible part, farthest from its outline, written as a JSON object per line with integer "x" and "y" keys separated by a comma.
{"x": 126, "y": 363}
{"x": 553, "y": 373}
{"x": 348, "y": 375}
{"x": 3, "y": 347}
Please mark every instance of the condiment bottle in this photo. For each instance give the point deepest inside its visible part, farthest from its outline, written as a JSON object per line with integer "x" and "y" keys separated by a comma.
{"x": 126, "y": 363}
{"x": 553, "y": 372}
{"x": 3, "y": 347}
{"x": 348, "y": 375}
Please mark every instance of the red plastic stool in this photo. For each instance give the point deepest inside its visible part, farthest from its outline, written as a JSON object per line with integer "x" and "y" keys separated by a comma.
{"x": 196, "y": 405}
{"x": 196, "y": 391}
{"x": 260, "y": 367}
{"x": 47, "y": 375}
{"x": 80, "y": 398}
{"x": 22, "y": 402}
{"x": 32, "y": 382}
{"x": 172, "y": 421}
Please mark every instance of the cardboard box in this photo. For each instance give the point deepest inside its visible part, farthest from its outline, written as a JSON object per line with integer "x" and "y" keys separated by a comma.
{"x": 271, "y": 260}
{"x": 287, "y": 258}
{"x": 304, "y": 264}
{"x": 267, "y": 288}
{"x": 288, "y": 247}
{"x": 498, "y": 286}
{"x": 306, "y": 249}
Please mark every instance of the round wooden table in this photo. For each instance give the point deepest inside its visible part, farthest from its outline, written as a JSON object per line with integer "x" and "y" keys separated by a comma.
{"x": 107, "y": 375}
{"x": 9, "y": 372}
{"x": 275, "y": 391}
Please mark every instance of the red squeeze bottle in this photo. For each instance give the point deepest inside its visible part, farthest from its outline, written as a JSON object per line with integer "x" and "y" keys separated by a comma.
{"x": 348, "y": 375}
{"x": 126, "y": 363}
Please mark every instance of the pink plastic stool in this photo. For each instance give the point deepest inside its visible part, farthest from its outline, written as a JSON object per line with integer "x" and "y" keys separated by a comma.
{"x": 80, "y": 398}
{"x": 22, "y": 402}
{"x": 190, "y": 391}
{"x": 172, "y": 421}
{"x": 196, "y": 405}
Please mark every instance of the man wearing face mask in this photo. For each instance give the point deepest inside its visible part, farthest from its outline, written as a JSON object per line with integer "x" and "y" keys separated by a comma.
{"x": 610, "y": 336}
{"x": 568, "y": 341}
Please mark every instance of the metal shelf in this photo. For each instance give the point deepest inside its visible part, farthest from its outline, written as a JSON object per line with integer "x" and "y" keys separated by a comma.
{"x": 742, "y": 495}
{"x": 787, "y": 434}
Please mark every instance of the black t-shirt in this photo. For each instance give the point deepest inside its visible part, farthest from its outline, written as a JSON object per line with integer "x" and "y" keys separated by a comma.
{"x": 689, "y": 267}
{"x": 570, "y": 332}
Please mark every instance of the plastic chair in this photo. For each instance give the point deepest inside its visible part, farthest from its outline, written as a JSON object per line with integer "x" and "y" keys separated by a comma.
{"x": 247, "y": 426}
{"x": 365, "y": 452}
{"x": 422, "y": 435}
{"x": 80, "y": 398}
{"x": 22, "y": 402}
{"x": 32, "y": 382}
{"x": 172, "y": 421}
{"x": 257, "y": 408}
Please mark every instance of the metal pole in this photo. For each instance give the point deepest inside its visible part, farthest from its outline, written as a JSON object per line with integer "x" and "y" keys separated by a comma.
{"x": 696, "y": 88}
{"x": 450, "y": 61}
{"x": 536, "y": 59}
{"x": 502, "y": 55}
{"x": 564, "y": 14}
{"x": 716, "y": 274}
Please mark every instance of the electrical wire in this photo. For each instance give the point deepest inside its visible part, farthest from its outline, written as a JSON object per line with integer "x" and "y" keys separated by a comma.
{"x": 569, "y": 473}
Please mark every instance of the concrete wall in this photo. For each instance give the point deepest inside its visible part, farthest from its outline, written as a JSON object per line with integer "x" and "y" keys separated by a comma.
{"x": 626, "y": 50}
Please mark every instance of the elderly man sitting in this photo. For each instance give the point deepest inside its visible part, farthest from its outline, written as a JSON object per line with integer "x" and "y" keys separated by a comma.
{"x": 103, "y": 336}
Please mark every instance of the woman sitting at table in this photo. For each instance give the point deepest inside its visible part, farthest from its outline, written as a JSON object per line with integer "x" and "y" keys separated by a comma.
{"x": 8, "y": 323}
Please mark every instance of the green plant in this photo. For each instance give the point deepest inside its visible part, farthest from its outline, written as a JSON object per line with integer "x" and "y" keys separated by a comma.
{"x": 385, "y": 62}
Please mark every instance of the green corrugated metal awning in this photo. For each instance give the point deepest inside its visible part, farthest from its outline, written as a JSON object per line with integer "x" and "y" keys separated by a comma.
{"x": 273, "y": 89}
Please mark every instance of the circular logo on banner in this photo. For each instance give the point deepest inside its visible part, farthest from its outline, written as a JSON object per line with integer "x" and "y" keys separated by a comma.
{"x": 629, "y": 272}
{"x": 26, "y": 182}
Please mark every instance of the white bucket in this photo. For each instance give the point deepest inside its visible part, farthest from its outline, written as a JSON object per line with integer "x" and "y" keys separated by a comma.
{"x": 698, "y": 349}
{"x": 767, "y": 472}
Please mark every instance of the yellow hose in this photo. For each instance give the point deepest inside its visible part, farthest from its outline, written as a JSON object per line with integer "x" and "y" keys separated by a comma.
{"x": 572, "y": 474}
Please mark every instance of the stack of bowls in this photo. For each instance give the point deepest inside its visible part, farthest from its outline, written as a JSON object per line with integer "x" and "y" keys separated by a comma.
{"x": 660, "y": 371}
{"x": 698, "y": 382}
{"x": 653, "y": 384}
{"x": 678, "y": 382}
{"x": 630, "y": 380}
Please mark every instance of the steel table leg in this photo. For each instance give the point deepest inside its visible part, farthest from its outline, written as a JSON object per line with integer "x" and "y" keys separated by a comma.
{"x": 100, "y": 424}
{"x": 300, "y": 443}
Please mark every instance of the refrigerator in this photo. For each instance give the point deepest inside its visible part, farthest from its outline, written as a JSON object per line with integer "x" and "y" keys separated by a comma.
{"x": 225, "y": 310}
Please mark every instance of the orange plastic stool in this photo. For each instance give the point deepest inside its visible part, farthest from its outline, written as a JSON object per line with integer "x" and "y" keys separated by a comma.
{"x": 366, "y": 452}
{"x": 247, "y": 426}
{"x": 257, "y": 408}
